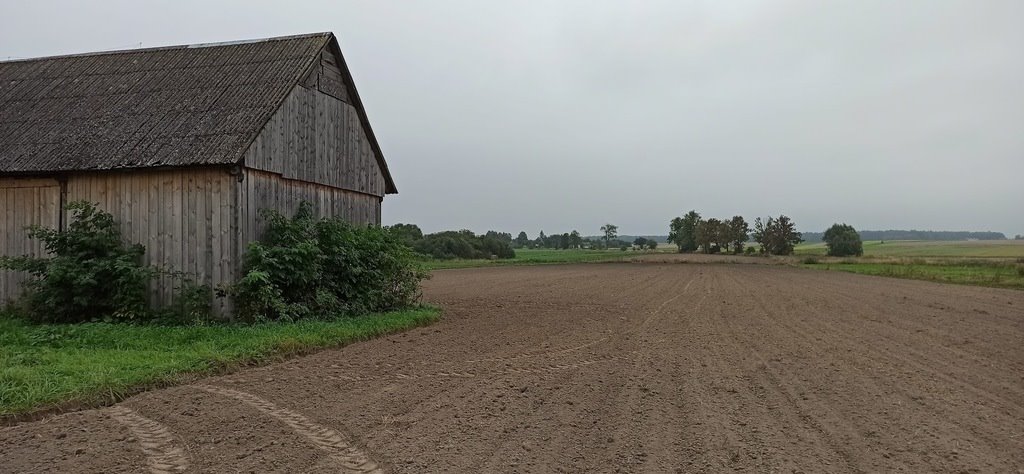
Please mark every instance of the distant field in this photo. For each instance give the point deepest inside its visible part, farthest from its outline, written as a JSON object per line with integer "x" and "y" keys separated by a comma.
{"x": 930, "y": 248}
{"x": 540, "y": 257}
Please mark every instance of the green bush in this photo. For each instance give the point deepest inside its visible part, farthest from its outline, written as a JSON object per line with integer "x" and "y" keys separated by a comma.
{"x": 842, "y": 240}
{"x": 308, "y": 267}
{"x": 810, "y": 261}
{"x": 89, "y": 275}
{"x": 463, "y": 244}
{"x": 750, "y": 250}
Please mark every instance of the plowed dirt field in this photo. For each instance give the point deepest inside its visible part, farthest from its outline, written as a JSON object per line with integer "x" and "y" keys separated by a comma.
{"x": 603, "y": 368}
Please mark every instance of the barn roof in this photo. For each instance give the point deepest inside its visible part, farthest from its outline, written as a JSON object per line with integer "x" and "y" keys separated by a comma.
{"x": 174, "y": 106}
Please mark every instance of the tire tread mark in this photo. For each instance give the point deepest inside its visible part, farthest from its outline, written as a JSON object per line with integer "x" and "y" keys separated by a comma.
{"x": 345, "y": 454}
{"x": 163, "y": 455}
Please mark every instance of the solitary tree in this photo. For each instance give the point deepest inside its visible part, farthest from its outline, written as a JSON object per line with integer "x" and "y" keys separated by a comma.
{"x": 640, "y": 243}
{"x": 610, "y": 232}
{"x": 842, "y": 240}
{"x": 652, "y": 244}
{"x": 738, "y": 233}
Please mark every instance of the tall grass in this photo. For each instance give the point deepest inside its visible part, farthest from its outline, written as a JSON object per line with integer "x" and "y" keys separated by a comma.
{"x": 50, "y": 365}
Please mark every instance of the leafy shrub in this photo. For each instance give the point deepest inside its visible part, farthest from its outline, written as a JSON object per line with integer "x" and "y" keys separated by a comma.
{"x": 842, "y": 240}
{"x": 810, "y": 260}
{"x": 463, "y": 244}
{"x": 305, "y": 267}
{"x": 750, "y": 250}
{"x": 91, "y": 274}
{"x": 192, "y": 304}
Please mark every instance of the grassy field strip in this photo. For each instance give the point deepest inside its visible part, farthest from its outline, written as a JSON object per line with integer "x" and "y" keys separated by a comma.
{"x": 926, "y": 248}
{"x": 967, "y": 273}
{"x": 51, "y": 366}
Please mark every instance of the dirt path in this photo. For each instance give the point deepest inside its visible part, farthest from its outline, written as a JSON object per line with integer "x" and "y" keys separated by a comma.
{"x": 604, "y": 368}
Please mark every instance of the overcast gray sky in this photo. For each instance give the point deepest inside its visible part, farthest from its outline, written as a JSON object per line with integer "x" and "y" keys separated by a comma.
{"x": 538, "y": 115}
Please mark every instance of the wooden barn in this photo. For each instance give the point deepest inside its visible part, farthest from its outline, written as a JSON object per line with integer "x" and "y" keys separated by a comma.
{"x": 183, "y": 145}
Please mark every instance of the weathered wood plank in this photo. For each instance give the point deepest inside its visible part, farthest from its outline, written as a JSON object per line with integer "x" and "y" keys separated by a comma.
{"x": 265, "y": 190}
{"x": 317, "y": 138}
{"x": 24, "y": 202}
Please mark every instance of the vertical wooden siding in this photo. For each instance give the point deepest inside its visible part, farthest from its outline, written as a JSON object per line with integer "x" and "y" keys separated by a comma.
{"x": 24, "y": 202}
{"x": 185, "y": 218}
{"x": 262, "y": 190}
{"x": 318, "y": 139}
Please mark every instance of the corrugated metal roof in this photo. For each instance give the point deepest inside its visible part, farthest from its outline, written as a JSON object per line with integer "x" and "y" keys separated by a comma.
{"x": 171, "y": 106}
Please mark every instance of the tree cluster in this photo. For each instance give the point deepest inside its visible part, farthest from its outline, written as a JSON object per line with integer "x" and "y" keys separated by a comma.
{"x": 573, "y": 240}
{"x": 567, "y": 240}
{"x": 455, "y": 244}
{"x": 776, "y": 236}
{"x": 691, "y": 233}
{"x": 641, "y": 243}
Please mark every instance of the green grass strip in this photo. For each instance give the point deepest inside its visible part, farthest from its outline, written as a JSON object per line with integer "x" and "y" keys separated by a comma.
{"x": 45, "y": 367}
{"x": 996, "y": 275}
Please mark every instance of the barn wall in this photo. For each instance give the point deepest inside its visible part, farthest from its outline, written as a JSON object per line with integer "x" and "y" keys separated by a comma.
{"x": 24, "y": 202}
{"x": 263, "y": 190}
{"x": 326, "y": 76}
{"x": 185, "y": 218}
{"x": 320, "y": 139}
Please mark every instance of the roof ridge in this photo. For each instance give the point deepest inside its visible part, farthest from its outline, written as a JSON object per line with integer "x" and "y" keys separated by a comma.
{"x": 171, "y": 47}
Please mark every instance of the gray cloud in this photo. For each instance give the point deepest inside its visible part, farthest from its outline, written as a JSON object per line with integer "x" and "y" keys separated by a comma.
{"x": 533, "y": 115}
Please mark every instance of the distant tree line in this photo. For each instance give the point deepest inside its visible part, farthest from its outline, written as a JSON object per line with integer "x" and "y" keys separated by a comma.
{"x": 914, "y": 235}
{"x": 609, "y": 239}
{"x": 692, "y": 233}
{"x": 567, "y": 240}
{"x": 455, "y": 244}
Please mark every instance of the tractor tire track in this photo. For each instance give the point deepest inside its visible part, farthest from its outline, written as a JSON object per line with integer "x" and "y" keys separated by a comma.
{"x": 347, "y": 456}
{"x": 163, "y": 454}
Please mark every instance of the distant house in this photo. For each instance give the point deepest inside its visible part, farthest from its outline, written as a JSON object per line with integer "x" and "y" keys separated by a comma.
{"x": 184, "y": 145}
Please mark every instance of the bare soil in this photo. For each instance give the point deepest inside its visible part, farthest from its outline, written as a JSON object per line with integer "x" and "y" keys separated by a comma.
{"x": 603, "y": 368}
